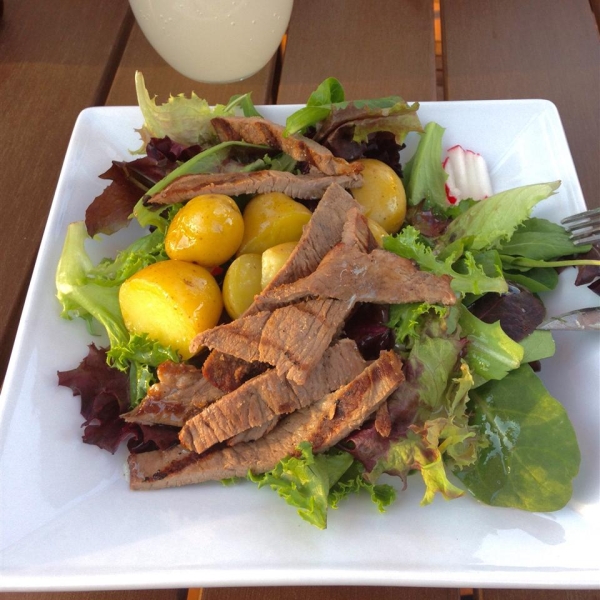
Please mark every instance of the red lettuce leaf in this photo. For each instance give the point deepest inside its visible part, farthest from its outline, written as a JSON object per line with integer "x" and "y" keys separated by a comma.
{"x": 104, "y": 393}
{"x": 367, "y": 326}
{"x": 427, "y": 222}
{"x": 589, "y": 275}
{"x": 110, "y": 211}
{"x": 519, "y": 311}
{"x": 367, "y": 445}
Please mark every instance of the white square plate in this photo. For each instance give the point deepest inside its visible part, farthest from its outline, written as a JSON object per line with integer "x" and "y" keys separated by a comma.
{"x": 69, "y": 521}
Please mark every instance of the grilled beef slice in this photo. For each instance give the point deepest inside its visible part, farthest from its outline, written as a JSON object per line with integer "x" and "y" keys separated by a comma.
{"x": 324, "y": 230}
{"x": 356, "y": 232}
{"x": 323, "y": 424}
{"x": 256, "y": 130}
{"x": 253, "y": 433}
{"x": 379, "y": 277}
{"x": 320, "y": 235}
{"x": 238, "y": 338}
{"x": 292, "y": 338}
{"x": 295, "y": 337}
{"x": 305, "y": 187}
{"x": 227, "y": 372}
{"x": 259, "y": 401}
{"x": 180, "y": 393}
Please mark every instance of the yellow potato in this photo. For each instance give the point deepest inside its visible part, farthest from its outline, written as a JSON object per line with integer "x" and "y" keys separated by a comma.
{"x": 382, "y": 195}
{"x": 208, "y": 230}
{"x": 273, "y": 259}
{"x": 378, "y": 231}
{"x": 271, "y": 219}
{"x": 241, "y": 284}
{"x": 171, "y": 301}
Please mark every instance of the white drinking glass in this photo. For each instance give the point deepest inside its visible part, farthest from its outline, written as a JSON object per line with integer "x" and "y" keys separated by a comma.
{"x": 214, "y": 41}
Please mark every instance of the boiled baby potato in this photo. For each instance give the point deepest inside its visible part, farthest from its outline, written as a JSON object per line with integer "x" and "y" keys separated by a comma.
{"x": 171, "y": 301}
{"x": 208, "y": 230}
{"x": 271, "y": 219}
{"x": 273, "y": 259}
{"x": 241, "y": 284}
{"x": 382, "y": 194}
{"x": 377, "y": 230}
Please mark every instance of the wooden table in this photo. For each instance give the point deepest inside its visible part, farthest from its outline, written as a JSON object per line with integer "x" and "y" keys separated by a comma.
{"x": 59, "y": 57}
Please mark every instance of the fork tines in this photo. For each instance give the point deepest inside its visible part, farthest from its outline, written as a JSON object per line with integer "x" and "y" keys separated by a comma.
{"x": 584, "y": 227}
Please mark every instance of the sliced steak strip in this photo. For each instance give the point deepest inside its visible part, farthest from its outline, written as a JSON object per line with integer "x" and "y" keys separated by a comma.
{"x": 239, "y": 338}
{"x": 227, "y": 366}
{"x": 380, "y": 277}
{"x": 180, "y": 393}
{"x": 263, "y": 398}
{"x": 253, "y": 433}
{"x": 323, "y": 424}
{"x": 227, "y": 372}
{"x": 292, "y": 338}
{"x": 256, "y": 130}
{"x": 356, "y": 232}
{"x": 304, "y": 187}
{"x": 320, "y": 235}
{"x": 295, "y": 337}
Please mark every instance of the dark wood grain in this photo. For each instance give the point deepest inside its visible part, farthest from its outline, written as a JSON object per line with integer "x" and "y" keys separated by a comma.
{"x": 162, "y": 80}
{"x": 328, "y": 593}
{"x": 535, "y": 49}
{"x": 48, "y": 74}
{"x": 539, "y": 595}
{"x": 372, "y": 51}
{"x": 111, "y": 595}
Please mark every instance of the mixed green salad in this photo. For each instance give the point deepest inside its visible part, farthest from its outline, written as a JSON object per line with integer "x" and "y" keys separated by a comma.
{"x": 476, "y": 418}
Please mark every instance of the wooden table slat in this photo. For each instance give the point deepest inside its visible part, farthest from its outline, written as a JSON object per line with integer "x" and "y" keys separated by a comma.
{"x": 48, "y": 74}
{"x": 103, "y": 595}
{"x": 530, "y": 55}
{"x": 327, "y": 593}
{"x": 539, "y": 594}
{"x": 389, "y": 52}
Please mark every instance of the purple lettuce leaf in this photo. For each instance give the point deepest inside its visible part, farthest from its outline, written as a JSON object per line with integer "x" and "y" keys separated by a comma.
{"x": 104, "y": 393}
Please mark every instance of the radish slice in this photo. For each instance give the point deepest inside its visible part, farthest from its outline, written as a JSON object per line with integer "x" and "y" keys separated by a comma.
{"x": 468, "y": 175}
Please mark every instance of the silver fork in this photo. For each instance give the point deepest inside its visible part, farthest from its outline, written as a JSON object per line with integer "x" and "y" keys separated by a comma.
{"x": 584, "y": 227}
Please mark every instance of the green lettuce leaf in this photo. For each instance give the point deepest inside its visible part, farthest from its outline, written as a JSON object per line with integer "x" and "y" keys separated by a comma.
{"x": 184, "y": 120}
{"x": 145, "y": 251}
{"x": 81, "y": 296}
{"x": 424, "y": 175}
{"x": 305, "y": 481}
{"x": 440, "y": 436}
{"x": 390, "y": 113}
{"x": 492, "y": 221}
{"x": 406, "y": 320}
{"x": 540, "y": 239}
{"x": 92, "y": 293}
{"x": 537, "y": 346}
{"x": 313, "y": 483}
{"x": 139, "y": 356}
{"x": 490, "y": 354}
{"x": 399, "y": 119}
{"x": 244, "y": 101}
{"x": 435, "y": 359}
{"x": 470, "y": 279}
{"x": 354, "y": 482}
{"x": 536, "y": 279}
{"x": 523, "y": 263}
{"x": 318, "y": 107}
{"x": 532, "y": 454}
{"x": 420, "y": 450}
